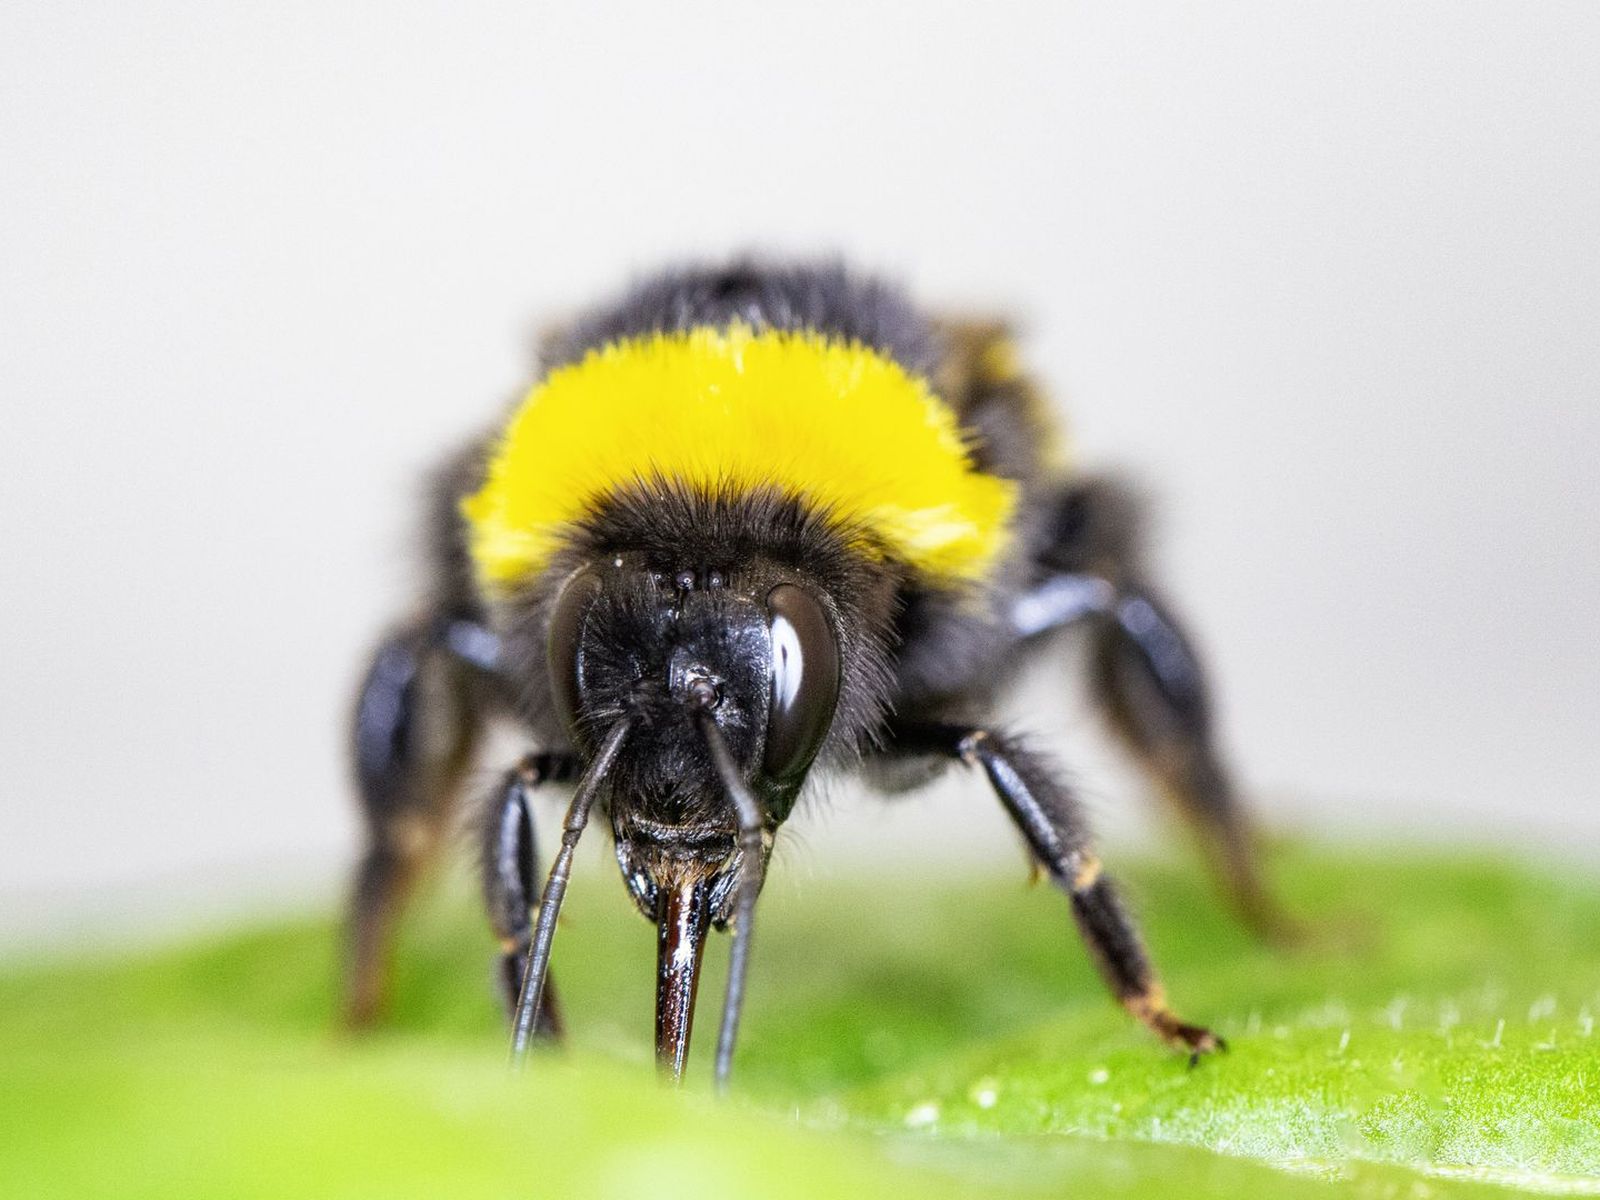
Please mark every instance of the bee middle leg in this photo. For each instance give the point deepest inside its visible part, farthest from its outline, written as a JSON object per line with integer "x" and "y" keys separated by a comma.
{"x": 1051, "y": 821}
{"x": 510, "y": 891}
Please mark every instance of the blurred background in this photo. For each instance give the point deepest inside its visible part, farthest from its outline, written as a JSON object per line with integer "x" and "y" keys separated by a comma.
{"x": 1326, "y": 277}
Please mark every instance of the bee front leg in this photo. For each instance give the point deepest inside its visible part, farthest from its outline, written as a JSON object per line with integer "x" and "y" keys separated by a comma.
{"x": 1051, "y": 821}
{"x": 510, "y": 866}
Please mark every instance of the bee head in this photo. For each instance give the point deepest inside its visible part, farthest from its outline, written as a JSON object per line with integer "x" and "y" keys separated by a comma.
{"x": 751, "y": 652}
{"x": 720, "y": 689}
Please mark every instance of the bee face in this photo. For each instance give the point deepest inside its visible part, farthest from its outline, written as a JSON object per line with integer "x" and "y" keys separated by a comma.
{"x": 664, "y": 649}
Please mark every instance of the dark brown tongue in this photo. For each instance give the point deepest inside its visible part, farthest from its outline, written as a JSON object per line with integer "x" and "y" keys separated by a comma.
{"x": 684, "y": 922}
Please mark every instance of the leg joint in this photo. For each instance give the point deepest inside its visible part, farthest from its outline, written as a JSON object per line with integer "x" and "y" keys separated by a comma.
{"x": 1087, "y": 872}
{"x": 971, "y": 747}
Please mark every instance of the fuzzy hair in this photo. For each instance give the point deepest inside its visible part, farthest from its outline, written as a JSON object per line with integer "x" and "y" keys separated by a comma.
{"x": 822, "y": 297}
{"x": 926, "y": 651}
{"x": 835, "y": 422}
{"x": 756, "y": 540}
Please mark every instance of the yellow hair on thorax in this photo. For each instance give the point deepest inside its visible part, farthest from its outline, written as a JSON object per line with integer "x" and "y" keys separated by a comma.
{"x": 837, "y": 423}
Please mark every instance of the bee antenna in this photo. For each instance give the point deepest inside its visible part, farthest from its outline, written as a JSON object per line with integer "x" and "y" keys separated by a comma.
{"x": 752, "y": 868}
{"x": 555, "y": 889}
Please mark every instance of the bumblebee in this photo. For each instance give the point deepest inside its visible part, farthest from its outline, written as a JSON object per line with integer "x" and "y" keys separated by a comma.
{"x": 756, "y": 522}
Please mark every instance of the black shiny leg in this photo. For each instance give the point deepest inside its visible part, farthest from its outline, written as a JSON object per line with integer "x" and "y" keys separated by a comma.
{"x": 1147, "y": 678}
{"x": 1053, "y": 825}
{"x": 416, "y": 724}
{"x": 510, "y": 864}
{"x": 1152, "y": 689}
{"x": 530, "y": 1002}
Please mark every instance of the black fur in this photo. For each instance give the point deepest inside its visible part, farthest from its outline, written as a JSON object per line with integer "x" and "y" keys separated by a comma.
{"x": 1096, "y": 525}
{"x": 756, "y": 540}
{"x": 824, "y": 298}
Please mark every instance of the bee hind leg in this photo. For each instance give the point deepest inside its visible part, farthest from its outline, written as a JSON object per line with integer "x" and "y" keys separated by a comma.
{"x": 417, "y": 723}
{"x": 1148, "y": 682}
{"x": 1150, "y": 686}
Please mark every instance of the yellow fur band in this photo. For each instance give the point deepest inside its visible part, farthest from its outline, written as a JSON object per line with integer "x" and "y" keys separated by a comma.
{"x": 843, "y": 426}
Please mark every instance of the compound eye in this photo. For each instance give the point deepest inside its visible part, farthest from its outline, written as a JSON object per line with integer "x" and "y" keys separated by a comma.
{"x": 805, "y": 681}
{"x": 567, "y": 618}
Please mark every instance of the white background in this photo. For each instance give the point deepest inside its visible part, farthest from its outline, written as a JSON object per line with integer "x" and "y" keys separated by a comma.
{"x": 1326, "y": 275}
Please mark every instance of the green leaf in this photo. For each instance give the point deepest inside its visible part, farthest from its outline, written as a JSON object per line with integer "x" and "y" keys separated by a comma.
{"x": 943, "y": 1037}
